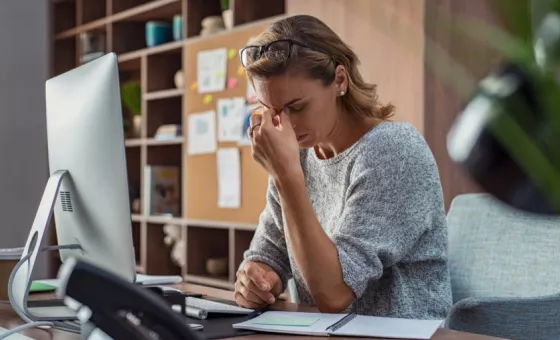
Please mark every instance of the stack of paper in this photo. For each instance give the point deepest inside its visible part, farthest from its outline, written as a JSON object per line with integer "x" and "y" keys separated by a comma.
{"x": 349, "y": 325}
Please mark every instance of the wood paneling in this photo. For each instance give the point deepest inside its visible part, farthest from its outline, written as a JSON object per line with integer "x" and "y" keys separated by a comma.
{"x": 441, "y": 103}
{"x": 387, "y": 37}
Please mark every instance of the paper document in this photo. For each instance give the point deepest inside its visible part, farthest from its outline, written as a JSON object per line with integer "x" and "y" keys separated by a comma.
{"x": 229, "y": 178}
{"x": 231, "y": 112}
{"x": 244, "y": 140}
{"x": 349, "y": 325}
{"x": 211, "y": 70}
{"x": 202, "y": 133}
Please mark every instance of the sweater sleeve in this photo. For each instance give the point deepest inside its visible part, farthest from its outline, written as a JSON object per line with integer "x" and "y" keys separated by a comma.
{"x": 387, "y": 210}
{"x": 269, "y": 243}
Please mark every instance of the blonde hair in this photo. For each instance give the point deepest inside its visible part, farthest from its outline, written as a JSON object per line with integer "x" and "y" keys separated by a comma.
{"x": 361, "y": 97}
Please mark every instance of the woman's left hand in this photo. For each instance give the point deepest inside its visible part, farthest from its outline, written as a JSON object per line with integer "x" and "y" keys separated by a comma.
{"x": 274, "y": 144}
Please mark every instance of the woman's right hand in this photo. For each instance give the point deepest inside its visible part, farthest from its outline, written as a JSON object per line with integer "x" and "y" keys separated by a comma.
{"x": 257, "y": 285}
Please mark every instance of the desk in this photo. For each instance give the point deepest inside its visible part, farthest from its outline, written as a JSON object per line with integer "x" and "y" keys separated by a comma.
{"x": 9, "y": 319}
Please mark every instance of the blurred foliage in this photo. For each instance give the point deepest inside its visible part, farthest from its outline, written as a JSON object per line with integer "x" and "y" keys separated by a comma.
{"x": 131, "y": 96}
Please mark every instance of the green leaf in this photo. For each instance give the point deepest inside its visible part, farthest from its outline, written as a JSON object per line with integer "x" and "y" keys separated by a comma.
{"x": 131, "y": 96}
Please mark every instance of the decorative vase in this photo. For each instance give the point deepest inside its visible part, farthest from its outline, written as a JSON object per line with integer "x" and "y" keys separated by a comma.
{"x": 227, "y": 15}
{"x": 136, "y": 126}
{"x": 179, "y": 79}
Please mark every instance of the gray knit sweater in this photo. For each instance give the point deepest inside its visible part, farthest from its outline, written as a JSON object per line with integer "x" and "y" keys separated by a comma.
{"x": 381, "y": 203}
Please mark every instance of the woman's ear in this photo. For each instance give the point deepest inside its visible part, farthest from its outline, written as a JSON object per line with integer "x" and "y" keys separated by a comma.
{"x": 341, "y": 80}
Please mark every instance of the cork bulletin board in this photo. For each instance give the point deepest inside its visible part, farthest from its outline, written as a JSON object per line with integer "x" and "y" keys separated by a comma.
{"x": 201, "y": 201}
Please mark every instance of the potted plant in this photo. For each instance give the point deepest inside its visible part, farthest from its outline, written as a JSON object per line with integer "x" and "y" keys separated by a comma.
{"x": 227, "y": 14}
{"x": 131, "y": 95}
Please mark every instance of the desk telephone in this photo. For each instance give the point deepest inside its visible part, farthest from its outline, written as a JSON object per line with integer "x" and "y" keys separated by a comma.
{"x": 121, "y": 310}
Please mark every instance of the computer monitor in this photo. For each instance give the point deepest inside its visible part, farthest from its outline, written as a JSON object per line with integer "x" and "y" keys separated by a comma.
{"x": 88, "y": 189}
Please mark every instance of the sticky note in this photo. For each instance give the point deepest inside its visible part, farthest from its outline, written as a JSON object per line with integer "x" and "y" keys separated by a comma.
{"x": 240, "y": 70}
{"x": 41, "y": 287}
{"x": 232, "y": 83}
{"x": 232, "y": 53}
{"x": 194, "y": 86}
{"x": 207, "y": 99}
{"x": 295, "y": 321}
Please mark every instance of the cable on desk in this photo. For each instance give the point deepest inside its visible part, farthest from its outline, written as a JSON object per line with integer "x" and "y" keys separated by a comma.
{"x": 29, "y": 322}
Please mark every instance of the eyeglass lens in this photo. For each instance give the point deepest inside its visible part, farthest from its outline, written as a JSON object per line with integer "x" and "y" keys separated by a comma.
{"x": 276, "y": 50}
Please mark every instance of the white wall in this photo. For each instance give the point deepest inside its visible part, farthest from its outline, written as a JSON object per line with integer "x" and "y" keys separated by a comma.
{"x": 24, "y": 67}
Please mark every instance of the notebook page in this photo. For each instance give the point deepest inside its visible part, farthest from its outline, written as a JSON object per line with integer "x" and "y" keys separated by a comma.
{"x": 291, "y": 323}
{"x": 391, "y": 328}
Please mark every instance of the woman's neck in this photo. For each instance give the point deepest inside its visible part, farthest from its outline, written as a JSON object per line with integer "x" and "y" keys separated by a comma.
{"x": 347, "y": 131}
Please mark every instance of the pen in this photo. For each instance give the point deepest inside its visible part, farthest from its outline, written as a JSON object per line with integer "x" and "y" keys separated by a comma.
{"x": 256, "y": 313}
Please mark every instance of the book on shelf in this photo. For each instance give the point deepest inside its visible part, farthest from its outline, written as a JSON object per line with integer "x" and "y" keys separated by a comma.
{"x": 163, "y": 190}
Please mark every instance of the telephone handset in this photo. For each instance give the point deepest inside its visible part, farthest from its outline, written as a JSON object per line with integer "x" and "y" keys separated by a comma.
{"x": 118, "y": 308}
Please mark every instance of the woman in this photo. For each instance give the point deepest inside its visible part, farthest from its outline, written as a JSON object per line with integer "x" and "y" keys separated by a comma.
{"x": 354, "y": 207}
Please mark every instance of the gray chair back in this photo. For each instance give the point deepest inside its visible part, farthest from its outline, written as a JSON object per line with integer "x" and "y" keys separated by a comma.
{"x": 497, "y": 251}
{"x": 505, "y": 270}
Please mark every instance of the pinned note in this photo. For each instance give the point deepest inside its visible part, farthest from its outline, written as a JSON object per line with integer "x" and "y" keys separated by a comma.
{"x": 211, "y": 70}
{"x": 202, "y": 133}
{"x": 207, "y": 99}
{"x": 194, "y": 86}
{"x": 229, "y": 178}
{"x": 232, "y": 53}
{"x": 232, "y": 82}
{"x": 286, "y": 320}
{"x": 240, "y": 70}
{"x": 231, "y": 112}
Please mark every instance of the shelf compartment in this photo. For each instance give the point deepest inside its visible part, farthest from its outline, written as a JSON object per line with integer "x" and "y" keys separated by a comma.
{"x": 65, "y": 14}
{"x": 242, "y": 241}
{"x": 204, "y": 244}
{"x": 128, "y": 36}
{"x": 196, "y": 11}
{"x": 165, "y": 156}
{"x": 93, "y": 10}
{"x": 95, "y": 26}
{"x": 163, "y": 112}
{"x": 133, "y": 164}
{"x": 64, "y": 56}
{"x": 136, "y": 241}
{"x": 139, "y": 12}
{"x": 161, "y": 73}
{"x": 158, "y": 254}
{"x": 246, "y": 11}
{"x": 169, "y": 155}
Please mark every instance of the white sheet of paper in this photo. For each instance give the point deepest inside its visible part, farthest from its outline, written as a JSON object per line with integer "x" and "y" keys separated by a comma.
{"x": 229, "y": 178}
{"x": 212, "y": 70}
{"x": 231, "y": 112}
{"x": 244, "y": 140}
{"x": 202, "y": 133}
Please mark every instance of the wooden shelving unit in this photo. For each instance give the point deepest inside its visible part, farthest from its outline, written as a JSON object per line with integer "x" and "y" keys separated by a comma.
{"x": 122, "y": 25}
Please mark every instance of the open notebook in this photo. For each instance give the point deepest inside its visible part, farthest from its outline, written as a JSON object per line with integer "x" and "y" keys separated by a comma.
{"x": 317, "y": 324}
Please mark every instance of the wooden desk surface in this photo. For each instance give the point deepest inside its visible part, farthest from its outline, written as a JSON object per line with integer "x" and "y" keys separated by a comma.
{"x": 9, "y": 319}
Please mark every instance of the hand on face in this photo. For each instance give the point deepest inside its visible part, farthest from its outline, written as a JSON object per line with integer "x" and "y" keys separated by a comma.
{"x": 274, "y": 143}
{"x": 257, "y": 285}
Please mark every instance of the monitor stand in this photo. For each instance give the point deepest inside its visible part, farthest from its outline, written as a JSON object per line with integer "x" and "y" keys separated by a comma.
{"x": 35, "y": 240}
